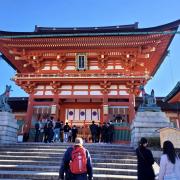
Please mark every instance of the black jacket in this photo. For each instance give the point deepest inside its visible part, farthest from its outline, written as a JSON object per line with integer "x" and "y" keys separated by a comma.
{"x": 145, "y": 162}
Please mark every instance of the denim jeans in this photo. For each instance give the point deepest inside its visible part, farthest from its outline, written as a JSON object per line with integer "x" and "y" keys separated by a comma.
{"x": 56, "y": 134}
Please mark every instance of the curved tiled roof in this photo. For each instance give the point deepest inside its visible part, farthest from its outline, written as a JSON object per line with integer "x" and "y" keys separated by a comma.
{"x": 89, "y": 31}
{"x": 173, "y": 93}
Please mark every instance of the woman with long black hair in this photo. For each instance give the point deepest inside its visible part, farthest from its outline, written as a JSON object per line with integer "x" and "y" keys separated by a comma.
{"x": 145, "y": 161}
{"x": 167, "y": 163}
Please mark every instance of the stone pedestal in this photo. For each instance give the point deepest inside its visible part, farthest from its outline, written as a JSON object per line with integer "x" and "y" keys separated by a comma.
{"x": 8, "y": 128}
{"x": 147, "y": 124}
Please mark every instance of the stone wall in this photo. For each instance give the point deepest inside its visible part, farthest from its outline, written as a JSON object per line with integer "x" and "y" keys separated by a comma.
{"x": 148, "y": 124}
{"x": 8, "y": 128}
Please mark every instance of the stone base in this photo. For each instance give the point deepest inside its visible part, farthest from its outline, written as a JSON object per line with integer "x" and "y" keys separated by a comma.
{"x": 147, "y": 124}
{"x": 8, "y": 128}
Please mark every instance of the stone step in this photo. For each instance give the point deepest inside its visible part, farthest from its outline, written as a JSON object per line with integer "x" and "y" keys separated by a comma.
{"x": 32, "y": 153}
{"x": 58, "y": 155}
{"x": 96, "y": 170}
{"x": 40, "y": 158}
{"x": 52, "y": 167}
{"x": 38, "y": 144}
{"x": 42, "y": 161}
{"x": 54, "y": 175}
{"x": 63, "y": 150}
{"x": 64, "y": 147}
{"x": 57, "y": 163}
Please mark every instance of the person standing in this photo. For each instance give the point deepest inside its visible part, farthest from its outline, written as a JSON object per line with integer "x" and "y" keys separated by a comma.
{"x": 61, "y": 131}
{"x": 168, "y": 162}
{"x": 104, "y": 133}
{"x": 46, "y": 133}
{"x": 98, "y": 133}
{"x": 76, "y": 163}
{"x": 145, "y": 161}
{"x": 110, "y": 132}
{"x": 74, "y": 133}
{"x": 37, "y": 131}
{"x": 50, "y": 129}
{"x": 57, "y": 127}
{"x": 93, "y": 129}
{"x": 66, "y": 132}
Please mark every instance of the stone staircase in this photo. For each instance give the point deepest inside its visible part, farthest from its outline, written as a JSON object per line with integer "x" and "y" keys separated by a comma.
{"x": 42, "y": 161}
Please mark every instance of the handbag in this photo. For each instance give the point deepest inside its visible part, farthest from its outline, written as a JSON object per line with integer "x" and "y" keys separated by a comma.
{"x": 156, "y": 168}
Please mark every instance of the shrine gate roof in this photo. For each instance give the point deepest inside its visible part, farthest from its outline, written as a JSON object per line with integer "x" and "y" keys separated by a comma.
{"x": 141, "y": 49}
{"x": 93, "y": 31}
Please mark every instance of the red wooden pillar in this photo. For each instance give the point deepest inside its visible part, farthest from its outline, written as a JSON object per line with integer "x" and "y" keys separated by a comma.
{"x": 29, "y": 114}
{"x": 56, "y": 103}
{"x": 105, "y": 109}
{"x": 131, "y": 107}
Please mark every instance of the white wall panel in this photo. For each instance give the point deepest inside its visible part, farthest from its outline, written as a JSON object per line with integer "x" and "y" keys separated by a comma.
{"x": 93, "y": 67}
{"x": 80, "y": 92}
{"x": 46, "y": 68}
{"x": 76, "y": 114}
{"x": 70, "y": 68}
{"x": 55, "y": 68}
{"x": 113, "y": 87}
{"x": 95, "y": 93}
{"x": 40, "y": 87}
{"x": 49, "y": 87}
{"x": 112, "y": 93}
{"x": 123, "y": 93}
{"x": 48, "y": 93}
{"x": 65, "y": 93}
{"x": 95, "y": 87}
{"x": 39, "y": 93}
{"x": 88, "y": 114}
{"x": 110, "y": 67}
{"x": 66, "y": 87}
{"x": 119, "y": 67}
{"x": 122, "y": 87}
{"x": 80, "y": 86}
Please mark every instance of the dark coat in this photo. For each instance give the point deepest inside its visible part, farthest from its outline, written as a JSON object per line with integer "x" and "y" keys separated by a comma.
{"x": 93, "y": 128}
{"x": 145, "y": 162}
{"x": 65, "y": 167}
{"x": 67, "y": 128}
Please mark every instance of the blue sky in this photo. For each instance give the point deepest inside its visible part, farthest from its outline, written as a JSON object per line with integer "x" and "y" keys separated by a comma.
{"x": 21, "y": 15}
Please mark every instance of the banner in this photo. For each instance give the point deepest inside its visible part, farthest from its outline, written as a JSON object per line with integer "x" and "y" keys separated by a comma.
{"x": 83, "y": 114}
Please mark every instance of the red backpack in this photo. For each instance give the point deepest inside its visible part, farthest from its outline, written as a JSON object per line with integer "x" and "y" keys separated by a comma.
{"x": 78, "y": 161}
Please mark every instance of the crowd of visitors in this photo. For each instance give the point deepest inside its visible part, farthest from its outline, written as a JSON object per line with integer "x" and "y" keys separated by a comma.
{"x": 51, "y": 130}
{"x": 102, "y": 133}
